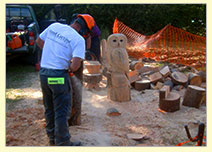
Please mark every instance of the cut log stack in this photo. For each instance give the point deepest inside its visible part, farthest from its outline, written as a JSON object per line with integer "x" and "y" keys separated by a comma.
{"x": 92, "y": 74}
{"x": 165, "y": 80}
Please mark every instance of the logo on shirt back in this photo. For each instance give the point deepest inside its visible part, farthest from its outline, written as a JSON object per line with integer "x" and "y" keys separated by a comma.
{"x": 57, "y": 37}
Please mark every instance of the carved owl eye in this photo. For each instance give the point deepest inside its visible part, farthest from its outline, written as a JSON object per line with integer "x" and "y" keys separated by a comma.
{"x": 121, "y": 40}
{"x": 114, "y": 40}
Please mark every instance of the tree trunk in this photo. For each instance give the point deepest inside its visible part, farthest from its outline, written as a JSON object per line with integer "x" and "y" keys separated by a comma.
{"x": 155, "y": 77}
{"x": 179, "y": 78}
{"x": 142, "y": 85}
{"x": 136, "y": 65}
{"x": 92, "y": 80}
{"x": 168, "y": 101}
{"x": 193, "y": 96}
{"x": 202, "y": 75}
{"x": 76, "y": 83}
{"x": 194, "y": 79}
{"x": 118, "y": 87}
{"x": 165, "y": 71}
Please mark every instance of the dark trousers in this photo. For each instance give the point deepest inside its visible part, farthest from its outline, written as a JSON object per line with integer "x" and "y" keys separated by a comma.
{"x": 95, "y": 47}
{"x": 57, "y": 102}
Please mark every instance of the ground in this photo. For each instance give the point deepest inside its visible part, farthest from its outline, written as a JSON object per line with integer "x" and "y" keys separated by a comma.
{"x": 25, "y": 123}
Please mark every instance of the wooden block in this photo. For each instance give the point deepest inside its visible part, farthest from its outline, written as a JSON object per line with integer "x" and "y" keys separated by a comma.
{"x": 75, "y": 117}
{"x": 119, "y": 80}
{"x": 119, "y": 94}
{"x": 193, "y": 96}
{"x": 133, "y": 76}
{"x": 92, "y": 78}
{"x": 142, "y": 85}
{"x": 202, "y": 74}
{"x": 93, "y": 67}
{"x": 113, "y": 112}
{"x": 179, "y": 78}
{"x": 136, "y": 65}
{"x": 148, "y": 69}
{"x": 171, "y": 103}
{"x": 155, "y": 77}
{"x": 135, "y": 136}
{"x": 165, "y": 71}
{"x": 194, "y": 79}
{"x": 164, "y": 91}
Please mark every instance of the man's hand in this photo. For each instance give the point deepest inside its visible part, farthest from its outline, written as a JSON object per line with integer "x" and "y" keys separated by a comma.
{"x": 75, "y": 64}
{"x": 40, "y": 42}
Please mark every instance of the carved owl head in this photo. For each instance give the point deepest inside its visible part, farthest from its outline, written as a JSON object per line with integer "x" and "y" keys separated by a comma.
{"x": 117, "y": 41}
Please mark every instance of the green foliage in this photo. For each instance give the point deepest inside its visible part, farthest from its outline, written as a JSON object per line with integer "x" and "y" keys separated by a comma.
{"x": 143, "y": 18}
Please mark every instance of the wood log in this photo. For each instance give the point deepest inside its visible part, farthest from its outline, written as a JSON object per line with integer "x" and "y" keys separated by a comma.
{"x": 142, "y": 85}
{"x": 179, "y": 78}
{"x": 165, "y": 71}
{"x": 164, "y": 91}
{"x": 202, "y": 74}
{"x": 136, "y": 65}
{"x": 146, "y": 69}
{"x": 118, "y": 88}
{"x": 168, "y": 101}
{"x": 193, "y": 96}
{"x": 171, "y": 103}
{"x": 203, "y": 102}
{"x": 76, "y": 83}
{"x": 155, "y": 77}
{"x": 93, "y": 67}
{"x": 133, "y": 76}
{"x": 92, "y": 78}
{"x": 194, "y": 79}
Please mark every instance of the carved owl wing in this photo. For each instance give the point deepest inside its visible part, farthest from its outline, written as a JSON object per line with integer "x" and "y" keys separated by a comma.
{"x": 119, "y": 60}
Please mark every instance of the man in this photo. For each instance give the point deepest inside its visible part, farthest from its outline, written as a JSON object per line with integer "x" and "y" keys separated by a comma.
{"x": 92, "y": 42}
{"x": 63, "y": 49}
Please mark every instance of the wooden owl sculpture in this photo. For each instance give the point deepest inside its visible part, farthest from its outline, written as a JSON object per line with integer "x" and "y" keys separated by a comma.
{"x": 117, "y": 56}
{"x": 118, "y": 67}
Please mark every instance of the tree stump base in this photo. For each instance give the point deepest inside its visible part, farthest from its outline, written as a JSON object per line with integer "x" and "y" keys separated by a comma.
{"x": 118, "y": 88}
{"x": 92, "y": 80}
{"x": 76, "y": 83}
{"x": 179, "y": 78}
{"x": 168, "y": 101}
{"x": 142, "y": 85}
{"x": 193, "y": 96}
{"x": 194, "y": 79}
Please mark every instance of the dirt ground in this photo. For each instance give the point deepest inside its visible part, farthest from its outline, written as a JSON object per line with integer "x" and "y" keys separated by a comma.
{"x": 25, "y": 120}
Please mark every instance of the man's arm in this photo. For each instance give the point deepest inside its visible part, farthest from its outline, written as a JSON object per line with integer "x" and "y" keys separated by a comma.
{"x": 75, "y": 65}
{"x": 88, "y": 42}
{"x": 40, "y": 42}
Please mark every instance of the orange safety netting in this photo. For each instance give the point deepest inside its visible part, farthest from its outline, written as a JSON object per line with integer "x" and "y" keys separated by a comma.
{"x": 170, "y": 44}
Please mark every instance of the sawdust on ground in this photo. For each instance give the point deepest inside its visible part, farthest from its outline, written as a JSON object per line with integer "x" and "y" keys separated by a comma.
{"x": 25, "y": 121}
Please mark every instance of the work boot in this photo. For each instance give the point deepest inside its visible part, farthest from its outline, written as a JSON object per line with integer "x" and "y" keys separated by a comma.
{"x": 69, "y": 143}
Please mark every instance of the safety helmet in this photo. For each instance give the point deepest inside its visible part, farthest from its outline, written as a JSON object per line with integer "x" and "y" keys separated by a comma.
{"x": 88, "y": 19}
